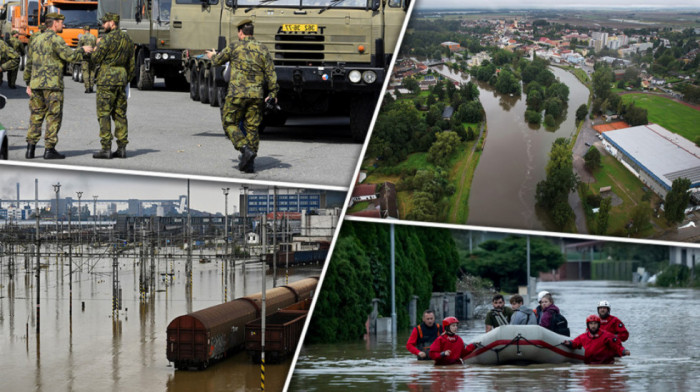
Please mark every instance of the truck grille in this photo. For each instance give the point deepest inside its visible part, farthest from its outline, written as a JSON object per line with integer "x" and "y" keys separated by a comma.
{"x": 299, "y": 49}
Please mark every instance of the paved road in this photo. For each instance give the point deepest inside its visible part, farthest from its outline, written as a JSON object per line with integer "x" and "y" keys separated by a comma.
{"x": 586, "y": 138}
{"x": 170, "y": 133}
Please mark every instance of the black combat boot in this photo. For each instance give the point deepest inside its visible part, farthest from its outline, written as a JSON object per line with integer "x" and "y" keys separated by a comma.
{"x": 51, "y": 153}
{"x": 250, "y": 167}
{"x": 31, "y": 148}
{"x": 103, "y": 154}
{"x": 87, "y": 91}
{"x": 247, "y": 155}
{"x": 120, "y": 152}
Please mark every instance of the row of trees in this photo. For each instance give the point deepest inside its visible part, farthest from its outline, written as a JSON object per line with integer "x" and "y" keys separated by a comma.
{"x": 552, "y": 193}
{"x": 426, "y": 261}
{"x": 605, "y": 100}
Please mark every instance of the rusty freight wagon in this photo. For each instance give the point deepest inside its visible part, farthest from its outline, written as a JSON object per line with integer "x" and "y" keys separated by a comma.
{"x": 200, "y": 338}
{"x": 282, "y": 332}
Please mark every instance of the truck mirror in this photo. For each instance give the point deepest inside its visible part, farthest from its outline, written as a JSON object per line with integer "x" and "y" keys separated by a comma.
{"x": 376, "y": 4}
{"x": 406, "y": 4}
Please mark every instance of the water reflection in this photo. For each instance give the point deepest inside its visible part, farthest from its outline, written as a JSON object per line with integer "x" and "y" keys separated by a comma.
{"x": 664, "y": 351}
{"x": 95, "y": 350}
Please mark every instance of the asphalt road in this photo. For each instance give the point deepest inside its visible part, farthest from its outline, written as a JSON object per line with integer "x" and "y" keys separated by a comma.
{"x": 169, "y": 133}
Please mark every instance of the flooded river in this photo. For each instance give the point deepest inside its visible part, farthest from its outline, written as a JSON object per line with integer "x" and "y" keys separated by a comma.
{"x": 515, "y": 155}
{"x": 95, "y": 352}
{"x": 663, "y": 325}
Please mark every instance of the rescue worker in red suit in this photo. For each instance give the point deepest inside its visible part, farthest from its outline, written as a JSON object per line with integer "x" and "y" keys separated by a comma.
{"x": 449, "y": 348}
{"x": 424, "y": 335}
{"x": 611, "y": 323}
{"x": 600, "y": 347}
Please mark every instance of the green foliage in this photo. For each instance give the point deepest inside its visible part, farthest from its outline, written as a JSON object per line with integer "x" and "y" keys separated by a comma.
{"x": 426, "y": 261}
{"x": 399, "y": 131}
{"x": 634, "y": 115}
{"x": 677, "y": 200}
{"x": 441, "y": 151}
{"x": 602, "y": 78}
{"x": 603, "y": 216}
{"x": 533, "y": 117}
{"x": 504, "y": 261}
{"x": 676, "y": 275}
{"x": 549, "y": 121}
{"x": 507, "y": 83}
{"x": 411, "y": 84}
{"x": 581, "y": 112}
{"x": 552, "y": 193}
{"x": 430, "y": 188}
{"x": 640, "y": 219}
{"x": 592, "y": 159}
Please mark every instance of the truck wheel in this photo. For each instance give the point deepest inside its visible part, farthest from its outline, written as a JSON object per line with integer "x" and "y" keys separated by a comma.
{"x": 23, "y": 60}
{"x": 75, "y": 73}
{"x": 203, "y": 86}
{"x": 213, "y": 93}
{"x": 80, "y": 75}
{"x": 194, "y": 84}
{"x": 221, "y": 95}
{"x": 145, "y": 78}
{"x": 361, "y": 111}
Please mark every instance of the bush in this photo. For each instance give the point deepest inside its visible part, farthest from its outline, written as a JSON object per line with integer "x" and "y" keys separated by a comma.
{"x": 593, "y": 200}
{"x": 675, "y": 275}
{"x": 533, "y": 117}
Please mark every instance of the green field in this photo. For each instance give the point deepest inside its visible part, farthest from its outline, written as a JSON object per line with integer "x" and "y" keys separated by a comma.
{"x": 358, "y": 207}
{"x": 671, "y": 115}
{"x": 628, "y": 188}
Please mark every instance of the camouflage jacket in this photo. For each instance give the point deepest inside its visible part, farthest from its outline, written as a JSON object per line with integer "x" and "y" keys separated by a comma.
{"x": 251, "y": 69}
{"x": 9, "y": 59}
{"x": 87, "y": 39}
{"x": 48, "y": 55}
{"x": 115, "y": 58}
{"x": 17, "y": 45}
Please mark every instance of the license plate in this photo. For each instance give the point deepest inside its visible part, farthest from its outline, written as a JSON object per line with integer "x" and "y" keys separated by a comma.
{"x": 302, "y": 28}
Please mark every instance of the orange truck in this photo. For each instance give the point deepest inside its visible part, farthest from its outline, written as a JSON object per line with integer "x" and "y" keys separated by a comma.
{"x": 30, "y": 15}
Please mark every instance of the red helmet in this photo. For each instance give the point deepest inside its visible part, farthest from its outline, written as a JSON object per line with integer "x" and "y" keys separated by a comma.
{"x": 592, "y": 318}
{"x": 449, "y": 320}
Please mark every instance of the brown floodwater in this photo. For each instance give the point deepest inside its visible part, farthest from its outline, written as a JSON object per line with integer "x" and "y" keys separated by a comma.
{"x": 663, "y": 325}
{"x": 96, "y": 352}
{"x": 515, "y": 155}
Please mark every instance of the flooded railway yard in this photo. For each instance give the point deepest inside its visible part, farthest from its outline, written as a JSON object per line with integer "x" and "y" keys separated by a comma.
{"x": 663, "y": 325}
{"x": 93, "y": 349}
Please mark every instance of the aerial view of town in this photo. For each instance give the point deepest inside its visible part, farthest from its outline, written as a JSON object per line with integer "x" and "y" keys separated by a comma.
{"x": 580, "y": 121}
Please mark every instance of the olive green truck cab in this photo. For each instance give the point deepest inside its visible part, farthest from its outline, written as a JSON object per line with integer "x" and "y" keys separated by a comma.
{"x": 331, "y": 56}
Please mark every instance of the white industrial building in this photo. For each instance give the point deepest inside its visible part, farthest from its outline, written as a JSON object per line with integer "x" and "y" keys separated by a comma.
{"x": 655, "y": 155}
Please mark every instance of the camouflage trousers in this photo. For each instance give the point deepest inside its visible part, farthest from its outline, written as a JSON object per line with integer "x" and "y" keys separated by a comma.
{"x": 111, "y": 105}
{"x": 88, "y": 74}
{"x": 12, "y": 77}
{"x": 45, "y": 104}
{"x": 245, "y": 111}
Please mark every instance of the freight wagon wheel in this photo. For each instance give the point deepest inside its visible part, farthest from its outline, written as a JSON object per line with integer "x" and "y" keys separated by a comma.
{"x": 213, "y": 93}
{"x": 203, "y": 86}
{"x": 194, "y": 84}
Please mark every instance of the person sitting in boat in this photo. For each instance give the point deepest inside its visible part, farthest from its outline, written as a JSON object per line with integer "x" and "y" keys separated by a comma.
{"x": 538, "y": 309}
{"x": 499, "y": 315}
{"x": 600, "y": 347}
{"x": 424, "y": 335}
{"x": 551, "y": 316}
{"x": 449, "y": 348}
{"x": 611, "y": 323}
{"x": 522, "y": 315}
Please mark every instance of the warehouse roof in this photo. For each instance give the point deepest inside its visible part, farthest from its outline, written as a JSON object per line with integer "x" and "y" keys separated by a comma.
{"x": 661, "y": 153}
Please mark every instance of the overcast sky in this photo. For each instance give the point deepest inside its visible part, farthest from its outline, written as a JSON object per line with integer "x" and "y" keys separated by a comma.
{"x": 205, "y": 196}
{"x": 548, "y": 4}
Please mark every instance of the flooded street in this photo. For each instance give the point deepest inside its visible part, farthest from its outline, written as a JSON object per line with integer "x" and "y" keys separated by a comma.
{"x": 96, "y": 352}
{"x": 663, "y": 325}
{"x": 515, "y": 157}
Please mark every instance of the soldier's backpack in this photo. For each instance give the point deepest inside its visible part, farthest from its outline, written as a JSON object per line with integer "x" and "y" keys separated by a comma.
{"x": 560, "y": 325}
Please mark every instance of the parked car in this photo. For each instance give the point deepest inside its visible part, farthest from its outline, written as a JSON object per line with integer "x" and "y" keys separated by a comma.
{"x": 588, "y": 144}
{"x": 3, "y": 133}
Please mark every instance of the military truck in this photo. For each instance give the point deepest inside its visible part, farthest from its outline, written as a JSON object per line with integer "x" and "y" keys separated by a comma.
{"x": 331, "y": 56}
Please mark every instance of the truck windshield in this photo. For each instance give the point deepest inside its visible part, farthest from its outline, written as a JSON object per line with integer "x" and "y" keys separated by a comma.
{"x": 79, "y": 15}
{"x": 304, "y": 3}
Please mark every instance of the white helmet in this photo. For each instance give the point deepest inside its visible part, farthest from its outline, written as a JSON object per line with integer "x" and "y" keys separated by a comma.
{"x": 541, "y": 294}
{"x": 604, "y": 304}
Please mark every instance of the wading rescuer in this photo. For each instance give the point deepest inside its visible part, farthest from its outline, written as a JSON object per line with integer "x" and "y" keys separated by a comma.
{"x": 611, "y": 323}
{"x": 449, "y": 348}
{"x": 601, "y": 347}
{"x": 252, "y": 71}
{"x": 424, "y": 335}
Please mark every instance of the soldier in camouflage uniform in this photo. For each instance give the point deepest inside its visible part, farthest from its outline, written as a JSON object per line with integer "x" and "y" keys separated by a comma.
{"x": 87, "y": 39}
{"x": 19, "y": 48}
{"x": 114, "y": 57}
{"x": 43, "y": 74}
{"x": 9, "y": 59}
{"x": 252, "y": 71}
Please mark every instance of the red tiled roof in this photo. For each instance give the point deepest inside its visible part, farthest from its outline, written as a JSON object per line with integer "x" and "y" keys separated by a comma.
{"x": 364, "y": 190}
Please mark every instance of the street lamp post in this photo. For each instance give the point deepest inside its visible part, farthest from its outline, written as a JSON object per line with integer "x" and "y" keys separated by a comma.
{"x": 94, "y": 213}
{"x": 80, "y": 225}
{"x": 57, "y": 189}
{"x": 225, "y": 190}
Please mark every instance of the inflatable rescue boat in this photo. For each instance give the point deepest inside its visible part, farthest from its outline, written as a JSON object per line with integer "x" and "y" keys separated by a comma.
{"x": 522, "y": 344}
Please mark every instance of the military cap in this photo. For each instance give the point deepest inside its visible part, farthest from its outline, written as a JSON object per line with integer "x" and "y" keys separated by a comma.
{"x": 54, "y": 16}
{"x": 110, "y": 16}
{"x": 244, "y": 22}
{"x": 86, "y": 27}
